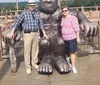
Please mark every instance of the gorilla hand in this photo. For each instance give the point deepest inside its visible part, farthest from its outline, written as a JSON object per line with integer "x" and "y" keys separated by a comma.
{"x": 89, "y": 28}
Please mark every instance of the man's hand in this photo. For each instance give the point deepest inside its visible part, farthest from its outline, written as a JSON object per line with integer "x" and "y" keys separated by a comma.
{"x": 11, "y": 35}
{"x": 45, "y": 36}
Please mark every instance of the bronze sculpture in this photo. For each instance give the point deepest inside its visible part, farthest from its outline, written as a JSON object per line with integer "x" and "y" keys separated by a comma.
{"x": 52, "y": 52}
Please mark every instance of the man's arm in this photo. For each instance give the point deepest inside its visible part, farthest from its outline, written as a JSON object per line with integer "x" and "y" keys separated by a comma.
{"x": 19, "y": 21}
{"x": 16, "y": 24}
{"x": 41, "y": 28}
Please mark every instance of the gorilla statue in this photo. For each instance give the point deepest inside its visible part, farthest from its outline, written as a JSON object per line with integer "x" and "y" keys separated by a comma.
{"x": 52, "y": 53}
{"x": 9, "y": 46}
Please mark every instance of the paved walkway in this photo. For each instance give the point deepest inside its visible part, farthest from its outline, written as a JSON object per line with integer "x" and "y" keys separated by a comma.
{"x": 88, "y": 67}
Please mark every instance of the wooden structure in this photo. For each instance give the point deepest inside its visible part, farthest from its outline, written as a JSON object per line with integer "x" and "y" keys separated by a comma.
{"x": 0, "y": 44}
{"x": 99, "y": 36}
{"x": 92, "y": 12}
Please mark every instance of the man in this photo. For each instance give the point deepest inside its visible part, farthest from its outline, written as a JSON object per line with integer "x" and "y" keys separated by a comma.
{"x": 31, "y": 23}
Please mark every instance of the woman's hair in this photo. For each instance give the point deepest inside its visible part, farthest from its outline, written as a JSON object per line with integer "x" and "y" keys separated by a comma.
{"x": 64, "y": 7}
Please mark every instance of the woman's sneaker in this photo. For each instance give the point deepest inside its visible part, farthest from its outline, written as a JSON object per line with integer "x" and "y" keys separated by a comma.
{"x": 68, "y": 61}
{"x": 74, "y": 70}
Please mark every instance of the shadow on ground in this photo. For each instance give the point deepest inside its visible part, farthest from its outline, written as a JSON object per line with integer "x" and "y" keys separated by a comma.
{"x": 4, "y": 68}
{"x": 5, "y": 63}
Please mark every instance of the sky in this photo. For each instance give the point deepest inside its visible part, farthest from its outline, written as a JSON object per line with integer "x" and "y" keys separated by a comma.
{"x": 12, "y": 0}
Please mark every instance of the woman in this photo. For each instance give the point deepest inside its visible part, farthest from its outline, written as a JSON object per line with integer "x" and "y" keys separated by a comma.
{"x": 70, "y": 34}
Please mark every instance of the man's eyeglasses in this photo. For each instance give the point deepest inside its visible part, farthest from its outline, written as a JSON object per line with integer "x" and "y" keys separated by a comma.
{"x": 64, "y": 10}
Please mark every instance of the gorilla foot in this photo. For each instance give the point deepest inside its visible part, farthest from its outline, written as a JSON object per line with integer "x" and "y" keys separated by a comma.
{"x": 14, "y": 70}
{"x": 62, "y": 66}
{"x": 45, "y": 68}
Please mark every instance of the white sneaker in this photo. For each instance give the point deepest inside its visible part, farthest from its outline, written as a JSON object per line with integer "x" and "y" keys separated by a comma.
{"x": 35, "y": 66}
{"x": 28, "y": 71}
{"x": 68, "y": 61}
{"x": 74, "y": 70}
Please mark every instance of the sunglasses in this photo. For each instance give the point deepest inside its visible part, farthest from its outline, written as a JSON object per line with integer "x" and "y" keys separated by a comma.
{"x": 64, "y": 10}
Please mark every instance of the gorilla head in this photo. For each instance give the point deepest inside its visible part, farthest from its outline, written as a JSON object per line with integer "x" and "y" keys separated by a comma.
{"x": 48, "y": 6}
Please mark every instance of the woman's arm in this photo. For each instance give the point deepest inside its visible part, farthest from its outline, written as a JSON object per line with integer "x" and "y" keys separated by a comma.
{"x": 78, "y": 36}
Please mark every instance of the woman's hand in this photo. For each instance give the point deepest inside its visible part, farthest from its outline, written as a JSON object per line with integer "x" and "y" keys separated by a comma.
{"x": 78, "y": 40}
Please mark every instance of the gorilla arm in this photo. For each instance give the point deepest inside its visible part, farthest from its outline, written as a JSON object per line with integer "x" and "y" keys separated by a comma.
{"x": 90, "y": 28}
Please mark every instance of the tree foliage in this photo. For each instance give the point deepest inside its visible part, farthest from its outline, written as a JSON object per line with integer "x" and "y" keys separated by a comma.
{"x": 80, "y": 2}
{"x": 23, "y": 5}
{"x": 12, "y": 6}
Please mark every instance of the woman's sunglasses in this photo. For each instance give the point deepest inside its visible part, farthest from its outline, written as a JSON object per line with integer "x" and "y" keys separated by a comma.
{"x": 64, "y": 10}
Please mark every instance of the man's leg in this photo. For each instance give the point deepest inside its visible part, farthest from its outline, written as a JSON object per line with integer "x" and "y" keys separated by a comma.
{"x": 35, "y": 49}
{"x": 27, "y": 51}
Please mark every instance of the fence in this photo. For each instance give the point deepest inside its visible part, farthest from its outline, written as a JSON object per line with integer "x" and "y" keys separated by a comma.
{"x": 82, "y": 8}
{"x": 89, "y": 11}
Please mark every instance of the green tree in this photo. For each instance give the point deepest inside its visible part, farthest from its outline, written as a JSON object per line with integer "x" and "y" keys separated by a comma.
{"x": 80, "y": 2}
{"x": 67, "y": 2}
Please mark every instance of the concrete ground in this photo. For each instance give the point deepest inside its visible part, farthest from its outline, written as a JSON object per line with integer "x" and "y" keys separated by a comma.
{"x": 88, "y": 66}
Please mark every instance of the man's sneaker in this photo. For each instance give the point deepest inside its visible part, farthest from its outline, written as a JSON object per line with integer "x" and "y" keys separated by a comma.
{"x": 74, "y": 70}
{"x": 28, "y": 71}
{"x": 35, "y": 66}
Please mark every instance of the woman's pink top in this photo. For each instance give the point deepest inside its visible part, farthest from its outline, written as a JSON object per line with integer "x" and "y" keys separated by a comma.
{"x": 69, "y": 26}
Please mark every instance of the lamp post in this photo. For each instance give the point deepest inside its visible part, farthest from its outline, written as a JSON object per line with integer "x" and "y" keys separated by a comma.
{"x": 17, "y": 7}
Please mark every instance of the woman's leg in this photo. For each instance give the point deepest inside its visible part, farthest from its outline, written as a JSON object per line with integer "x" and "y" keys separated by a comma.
{"x": 73, "y": 59}
{"x": 73, "y": 62}
{"x": 73, "y": 49}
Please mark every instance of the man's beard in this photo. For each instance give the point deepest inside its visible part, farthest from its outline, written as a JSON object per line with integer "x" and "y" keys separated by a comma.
{"x": 48, "y": 8}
